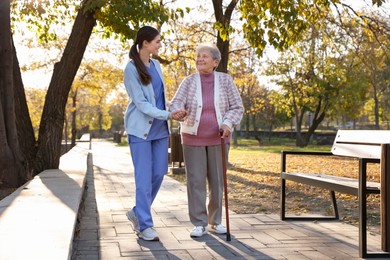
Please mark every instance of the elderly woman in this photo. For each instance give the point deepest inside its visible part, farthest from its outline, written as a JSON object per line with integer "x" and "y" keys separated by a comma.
{"x": 214, "y": 107}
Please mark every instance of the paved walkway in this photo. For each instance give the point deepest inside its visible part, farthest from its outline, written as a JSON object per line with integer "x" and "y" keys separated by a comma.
{"x": 105, "y": 233}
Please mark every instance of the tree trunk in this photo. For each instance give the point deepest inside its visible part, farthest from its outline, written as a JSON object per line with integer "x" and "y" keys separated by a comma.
{"x": 10, "y": 155}
{"x": 26, "y": 135}
{"x": 298, "y": 127}
{"x": 270, "y": 132}
{"x": 74, "y": 112}
{"x": 65, "y": 138}
{"x": 318, "y": 117}
{"x": 223, "y": 47}
{"x": 235, "y": 138}
{"x": 376, "y": 108}
{"x": 100, "y": 120}
{"x": 247, "y": 125}
{"x": 224, "y": 20}
{"x": 316, "y": 122}
{"x": 255, "y": 131}
{"x": 52, "y": 121}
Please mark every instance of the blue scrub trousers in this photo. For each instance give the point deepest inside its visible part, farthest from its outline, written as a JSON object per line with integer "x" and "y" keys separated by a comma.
{"x": 150, "y": 160}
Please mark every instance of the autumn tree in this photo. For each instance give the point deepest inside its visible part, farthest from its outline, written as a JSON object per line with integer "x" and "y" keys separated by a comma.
{"x": 245, "y": 69}
{"x": 319, "y": 71}
{"x": 11, "y": 158}
{"x": 100, "y": 79}
{"x": 311, "y": 74}
{"x": 271, "y": 23}
{"x": 21, "y": 154}
{"x": 117, "y": 107}
{"x": 372, "y": 52}
{"x": 281, "y": 24}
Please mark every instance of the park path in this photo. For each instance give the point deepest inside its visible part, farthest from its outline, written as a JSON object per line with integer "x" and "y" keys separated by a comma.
{"x": 105, "y": 233}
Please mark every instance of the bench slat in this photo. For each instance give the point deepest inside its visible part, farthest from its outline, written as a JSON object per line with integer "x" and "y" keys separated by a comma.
{"x": 357, "y": 150}
{"x": 331, "y": 182}
{"x": 363, "y": 136}
{"x": 360, "y": 143}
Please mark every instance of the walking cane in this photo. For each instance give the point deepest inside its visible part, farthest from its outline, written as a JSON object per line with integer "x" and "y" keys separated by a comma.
{"x": 223, "y": 148}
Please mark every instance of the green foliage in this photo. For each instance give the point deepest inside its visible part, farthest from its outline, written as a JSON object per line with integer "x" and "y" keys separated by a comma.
{"x": 274, "y": 22}
{"x": 121, "y": 19}
{"x": 353, "y": 94}
{"x": 116, "y": 18}
{"x": 371, "y": 65}
{"x": 45, "y": 17}
{"x": 224, "y": 30}
{"x": 319, "y": 74}
{"x": 280, "y": 23}
{"x": 124, "y": 18}
{"x": 378, "y": 2}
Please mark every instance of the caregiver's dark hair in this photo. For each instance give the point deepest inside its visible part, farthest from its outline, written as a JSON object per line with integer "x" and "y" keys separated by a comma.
{"x": 146, "y": 33}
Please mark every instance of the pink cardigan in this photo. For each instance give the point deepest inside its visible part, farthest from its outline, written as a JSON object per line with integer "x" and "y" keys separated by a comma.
{"x": 227, "y": 102}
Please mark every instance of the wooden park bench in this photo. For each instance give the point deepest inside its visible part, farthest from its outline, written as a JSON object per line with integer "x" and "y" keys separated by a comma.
{"x": 368, "y": 146}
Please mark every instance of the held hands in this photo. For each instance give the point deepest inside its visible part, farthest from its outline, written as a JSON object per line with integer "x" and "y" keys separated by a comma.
{"x": 224, "y": 131}
{"x": 179, "y": 114}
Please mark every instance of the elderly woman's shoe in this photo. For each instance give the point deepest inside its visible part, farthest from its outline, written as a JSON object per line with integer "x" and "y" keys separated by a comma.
{"x": 198, "y": 231}
{"x": 219, "y": 229}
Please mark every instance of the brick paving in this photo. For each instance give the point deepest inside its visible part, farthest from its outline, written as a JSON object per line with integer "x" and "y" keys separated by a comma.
{"x": 105, "y": 233}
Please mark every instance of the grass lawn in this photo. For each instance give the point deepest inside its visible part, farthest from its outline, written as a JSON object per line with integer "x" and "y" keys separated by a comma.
{"x": 254, "y": 182}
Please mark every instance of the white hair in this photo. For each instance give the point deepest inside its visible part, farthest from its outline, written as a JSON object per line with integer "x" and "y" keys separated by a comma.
{"x": 215, "y": 53}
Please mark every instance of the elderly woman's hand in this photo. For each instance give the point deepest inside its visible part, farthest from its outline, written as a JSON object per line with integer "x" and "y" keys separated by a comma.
{"x": 179, "y": 115}
{"x": 225, "y": 131}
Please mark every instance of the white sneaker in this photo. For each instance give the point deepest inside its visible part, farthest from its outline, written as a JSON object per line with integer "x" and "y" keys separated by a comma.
{"x": 198, "y": 231}
{"x": 149, "y": 234}
{"x": 219, "y": 229}
{"x": 133, "y": 219}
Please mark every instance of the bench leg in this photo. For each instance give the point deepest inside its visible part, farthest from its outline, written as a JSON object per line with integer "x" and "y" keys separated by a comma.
{"x": 363, "y": 252}
{"x": 334, "y": 204}
{"x": 385, "y": 197}
{"x": 283, "y": 200}
{"x": 283, "y": 206}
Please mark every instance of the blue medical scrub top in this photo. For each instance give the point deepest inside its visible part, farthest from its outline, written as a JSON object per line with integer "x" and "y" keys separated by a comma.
{"x": 159, "y": 127}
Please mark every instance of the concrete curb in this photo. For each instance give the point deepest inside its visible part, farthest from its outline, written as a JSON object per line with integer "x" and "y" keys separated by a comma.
{"x": 38, "y": 220}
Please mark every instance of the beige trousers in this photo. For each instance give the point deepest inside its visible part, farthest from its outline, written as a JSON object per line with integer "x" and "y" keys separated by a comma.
{"x": 204, "y": 167}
